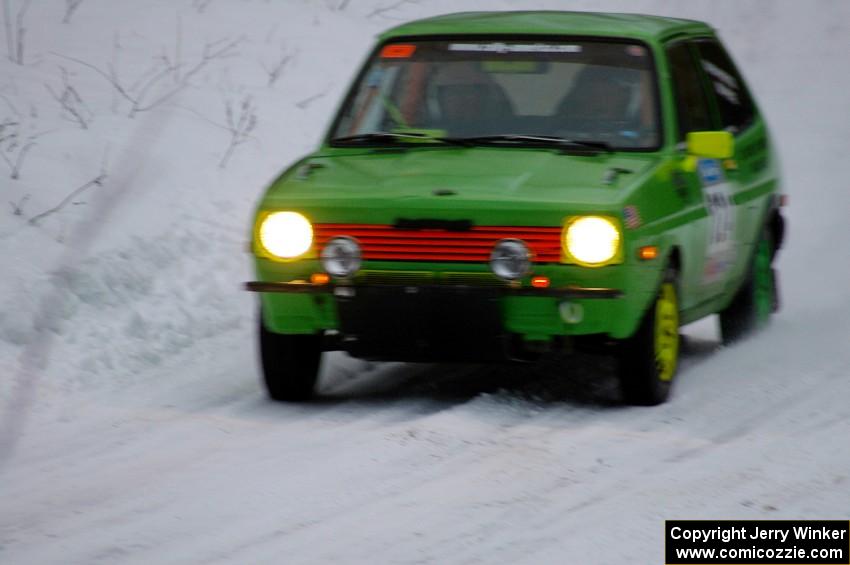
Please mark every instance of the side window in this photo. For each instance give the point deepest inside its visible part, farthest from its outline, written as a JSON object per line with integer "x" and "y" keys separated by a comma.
{"x": 691, "y": 103}
{"x": 733, "y": 101}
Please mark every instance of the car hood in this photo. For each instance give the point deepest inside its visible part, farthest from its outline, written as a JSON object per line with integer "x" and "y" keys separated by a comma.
{"x": 490, "y": 186}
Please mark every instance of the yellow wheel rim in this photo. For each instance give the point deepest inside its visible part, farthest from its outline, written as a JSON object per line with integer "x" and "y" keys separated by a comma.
{"x": 666, "y": 332}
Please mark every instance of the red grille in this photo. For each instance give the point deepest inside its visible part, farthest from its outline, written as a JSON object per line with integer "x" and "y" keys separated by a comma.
{"x": 381, "y": 242}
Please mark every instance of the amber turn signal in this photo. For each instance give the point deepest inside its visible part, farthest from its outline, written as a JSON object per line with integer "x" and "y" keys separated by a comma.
{"x": 540, "y": 282}
{"x": 648, "y": 252}
{"x": 320, "y": 278}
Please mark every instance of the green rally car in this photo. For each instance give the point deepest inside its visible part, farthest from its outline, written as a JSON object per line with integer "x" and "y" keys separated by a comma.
{"x": 497, "y": 185}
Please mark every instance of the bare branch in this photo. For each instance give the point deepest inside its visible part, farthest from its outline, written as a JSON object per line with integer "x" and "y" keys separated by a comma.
{"x": 10, "y": 35}
{"x": 381, "y": 10}
{"x": 145, "y": 88}
{"x": 201, "y": 116}
{"x": 21, "y": 31}
{"x": 18, "y": 154}
{"x": 336, "y": 5}
{"x": 310, "y": 99}
{"x": 148, "y": 92}
{"x": 221, "y": 48}
{"x": 70, "y": 7}
{"x": 71, "y": 102}
{"x": 18, "y": 207}
{"x": 108, "y": 76}
{"x": 97, "y": 181}
{"x": 7, "y": 130}
{"x": 201, "y": 5}
{"x": 175, "y": 64}
{"x": 214, "y": 50}
{"x": 16, "y": 32}
{"x": 239, "y": 126}
{"x": 276, "y": 69}
{"x": 15, "y": 145}
{"x": 178, "y": 49}
{"x": 154, "y": 69}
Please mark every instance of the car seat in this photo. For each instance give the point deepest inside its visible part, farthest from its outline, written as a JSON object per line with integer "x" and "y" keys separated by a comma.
{"x": 466, "y": 101}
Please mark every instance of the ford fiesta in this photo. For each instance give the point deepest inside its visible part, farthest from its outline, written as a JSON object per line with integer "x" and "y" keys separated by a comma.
{"x": 497, "y": 185}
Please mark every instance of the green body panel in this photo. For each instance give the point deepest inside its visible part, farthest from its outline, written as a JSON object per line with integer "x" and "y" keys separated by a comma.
{"x": 514, "y": 186}
{"x": 493, "y": 186}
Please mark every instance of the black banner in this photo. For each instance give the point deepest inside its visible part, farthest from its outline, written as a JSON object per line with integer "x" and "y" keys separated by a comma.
{"x": 757, "y": 542}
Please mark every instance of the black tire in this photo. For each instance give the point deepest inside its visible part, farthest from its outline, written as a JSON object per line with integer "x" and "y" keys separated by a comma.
{"x": 290, "y": 364}
{"x": 757, "y": 298}
{"x": 645, "y": 378}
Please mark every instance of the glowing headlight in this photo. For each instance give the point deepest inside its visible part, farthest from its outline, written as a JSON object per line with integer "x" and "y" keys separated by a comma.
{"x": 341, "y": 257}
{"x": 286, "y": 234}
{"x": 592, "y": 240}
{"x": 510, "y": 259}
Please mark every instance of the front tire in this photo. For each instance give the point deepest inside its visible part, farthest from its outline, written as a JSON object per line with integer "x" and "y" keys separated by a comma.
{"x": 756, "y": 300}
{"x": 290, "y": 364}
{"x": 647, "y": 361}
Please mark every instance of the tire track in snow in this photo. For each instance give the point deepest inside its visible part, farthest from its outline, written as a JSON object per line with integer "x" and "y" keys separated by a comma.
{"x": 35, "y": 356}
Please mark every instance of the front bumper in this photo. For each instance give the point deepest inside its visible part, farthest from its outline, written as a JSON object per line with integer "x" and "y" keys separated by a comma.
{"x": 609, "y": 300}
{"x": 569, "y": 292}
{"x": 428, "y": 322}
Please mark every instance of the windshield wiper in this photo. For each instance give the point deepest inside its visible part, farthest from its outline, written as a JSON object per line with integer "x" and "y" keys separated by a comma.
{"x": 409, "y": 139}
{"x": 539, "y": 140}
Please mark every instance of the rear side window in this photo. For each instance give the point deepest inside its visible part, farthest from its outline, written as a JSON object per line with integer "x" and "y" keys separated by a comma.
{"x": 691, "y": 102}
{"x": 733, "y": 101}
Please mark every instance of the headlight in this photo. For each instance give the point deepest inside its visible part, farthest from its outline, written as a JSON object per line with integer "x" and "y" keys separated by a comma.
{"x": 510, "y": 259}
{"x": 341, "y": 257}
{"x": 592, "y": 240}
{"x": 286, "y": 234}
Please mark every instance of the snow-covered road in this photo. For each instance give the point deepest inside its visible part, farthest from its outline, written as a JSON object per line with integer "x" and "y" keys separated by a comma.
{"x": 147, "y": 439}
{"x": 432, "y": 464}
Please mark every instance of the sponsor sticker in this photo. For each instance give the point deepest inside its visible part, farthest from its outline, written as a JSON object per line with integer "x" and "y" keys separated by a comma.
{"x": 720, "y": 244}
{"x": 398, "y": 51}
{"x": 710, "y": 171}
{"x": 498, "y": 47}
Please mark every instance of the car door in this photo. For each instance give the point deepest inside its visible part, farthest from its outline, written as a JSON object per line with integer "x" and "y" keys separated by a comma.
{"x": 746, "y": 174}
{"x": 694, "y": 113}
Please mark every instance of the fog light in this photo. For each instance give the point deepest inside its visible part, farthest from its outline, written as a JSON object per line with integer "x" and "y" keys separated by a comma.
{"x": 510, "y": 259}
{"x": 341, "y": 257}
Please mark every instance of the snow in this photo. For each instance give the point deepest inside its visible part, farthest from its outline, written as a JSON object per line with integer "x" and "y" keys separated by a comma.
{"x": 132, "y": 425}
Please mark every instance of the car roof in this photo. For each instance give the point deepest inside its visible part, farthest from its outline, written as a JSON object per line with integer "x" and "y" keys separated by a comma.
{"x": 543, "y": 22}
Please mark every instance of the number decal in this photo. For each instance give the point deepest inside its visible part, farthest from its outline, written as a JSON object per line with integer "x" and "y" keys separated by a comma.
{"x": 720, "y": 244}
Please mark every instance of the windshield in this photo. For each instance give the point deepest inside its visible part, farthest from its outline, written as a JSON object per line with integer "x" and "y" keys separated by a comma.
{"x": 586, "y": 91}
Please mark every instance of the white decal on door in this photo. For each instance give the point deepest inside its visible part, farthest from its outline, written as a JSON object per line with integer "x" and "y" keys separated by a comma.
{"x": 720, "y": 244}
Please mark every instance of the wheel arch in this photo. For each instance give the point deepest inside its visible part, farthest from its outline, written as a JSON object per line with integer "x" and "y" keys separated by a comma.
{"x": 776, "y": 225}
{"x": 674, "y": 258}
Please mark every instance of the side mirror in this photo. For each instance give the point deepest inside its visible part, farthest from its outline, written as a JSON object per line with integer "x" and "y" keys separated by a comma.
{"x": 711, "y": 144}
